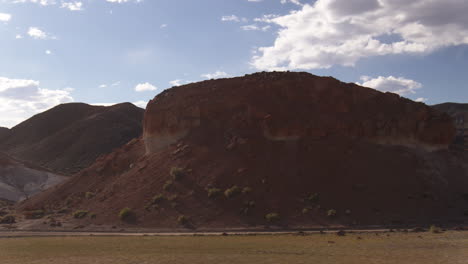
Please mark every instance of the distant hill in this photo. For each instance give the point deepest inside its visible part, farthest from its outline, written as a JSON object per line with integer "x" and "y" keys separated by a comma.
{"x": 277, "y": 149}
{"x": 19, "y": 181}
{"x": 69, "y": 137}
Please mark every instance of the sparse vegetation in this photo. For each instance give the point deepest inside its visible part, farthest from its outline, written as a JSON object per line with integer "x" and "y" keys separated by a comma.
{"x": 313, "y": 198}
{"x": 8, "y": 219}
{"x": 233, "y": 191}
{"x": 93, "y": 215}
{"x": 158, "y": 199}
{"x": 246, "y": 190}
{"x": 177, "y": 173}
{"x": 173, "y": 198}
{"x": 80, "y": 214}
{"x": 168, "y": 185}
{"x": 36, "y": 214}
{"x": 214, "y": 193}
{"x": 89, "y": 195}
{"x": 183, "y": 220}
{"x": 272, "y": 217}
{"x": 434, "y": 229}
{"x": 125, "y": 214}
{"x": 305, "y": 210}
{"x": 331, "y": 213}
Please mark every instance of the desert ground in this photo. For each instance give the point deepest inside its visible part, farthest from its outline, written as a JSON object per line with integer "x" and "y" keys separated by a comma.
{"x": 388, "y": 247}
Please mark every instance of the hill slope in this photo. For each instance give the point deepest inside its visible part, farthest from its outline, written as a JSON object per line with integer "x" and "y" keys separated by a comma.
{"x": 304, "y": 150}
{"x": 19, "y": 181}
{"x": 69, "y": 137}
{"x": 459, "y": 113}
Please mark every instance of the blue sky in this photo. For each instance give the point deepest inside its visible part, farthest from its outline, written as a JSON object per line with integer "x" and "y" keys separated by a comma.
{"x": 110, "y": 51}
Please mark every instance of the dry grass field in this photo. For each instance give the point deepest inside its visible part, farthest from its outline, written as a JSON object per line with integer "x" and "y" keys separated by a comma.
{"x": 414, "y": 248}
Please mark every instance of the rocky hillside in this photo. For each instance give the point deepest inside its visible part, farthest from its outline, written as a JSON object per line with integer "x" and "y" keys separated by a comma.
{"x": 4, "y": 132}
{"x": 19, "y": 181}
{"x": 69, "y": 137}
{"x": 459, "y": 113}
{"x": 287, "y": 149}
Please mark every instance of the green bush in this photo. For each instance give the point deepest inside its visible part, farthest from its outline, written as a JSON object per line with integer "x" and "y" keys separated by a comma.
{"x": 80, "y": 214}
{"x": 89, "y": 195}
{"x": 246, "y": 190}
{"x": 313, "y": 198}
{"x": 36, "y": 214}
{"x": 167, "y": 185}
{"x": 183, "y": 220}
{"x": 8, "y": 219}
{"x": 272, "y": 217}
{"x": 434, "y": 229}
{"x": 233, "y": 191}
{"x": 331, "y": 213}
{"x": 213, "y": 192}
{"x": 158, "y": 199}
{"x": 177, "y": 173}
{"x": 125, "y": 214}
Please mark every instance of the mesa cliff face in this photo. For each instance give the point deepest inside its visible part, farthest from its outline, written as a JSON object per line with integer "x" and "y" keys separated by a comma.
{"x": 290, "y": 107}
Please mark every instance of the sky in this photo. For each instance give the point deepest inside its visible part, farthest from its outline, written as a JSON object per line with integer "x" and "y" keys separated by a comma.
{"x": 110, "y": 51}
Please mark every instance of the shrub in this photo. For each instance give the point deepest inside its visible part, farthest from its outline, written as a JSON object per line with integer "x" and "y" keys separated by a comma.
{"x": 272, "y": 217}
{"x": 36, "y": 214}
{"x": 434, "y": 229}
{"x": 177, "y": 173}
{"x": 89, "y": 195}
{"x": 331, "y": 213}
{"x": 92, "y": 215}
{"x": 305, "y": 210}
{"x": 80, "y": 214}
{"x": 157, "y": 199}
{"x": 246, "y": 190}
{"x": 8, "y": 219}
{"x": 231, "y": 192}
{"x": 313, "y": 198}
{"x": 167, "y": 186}
{"x": 183, "y": 220}
{"x": 214, "y": 192}
{"x": 125, "y": 214}
{"x": 173, "y": 198}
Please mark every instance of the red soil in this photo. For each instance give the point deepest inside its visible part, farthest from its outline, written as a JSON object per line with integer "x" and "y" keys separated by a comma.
{"x": 375, "y": 158}
{"x": 69, "y": 137}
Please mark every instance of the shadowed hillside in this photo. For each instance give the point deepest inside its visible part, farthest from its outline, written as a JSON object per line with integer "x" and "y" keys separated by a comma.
{"x": 69, "y": 137}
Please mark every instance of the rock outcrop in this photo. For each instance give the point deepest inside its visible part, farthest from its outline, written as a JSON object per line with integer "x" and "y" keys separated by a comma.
{"x": 459, "y": 114}
{"x": 291, "y": 107}
{"x": 69, "y": 137}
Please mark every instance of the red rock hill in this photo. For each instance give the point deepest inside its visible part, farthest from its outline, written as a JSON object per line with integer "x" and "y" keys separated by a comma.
{"x": 312, "y": 150}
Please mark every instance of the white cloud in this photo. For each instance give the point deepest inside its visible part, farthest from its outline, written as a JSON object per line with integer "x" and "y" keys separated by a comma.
{"x": 103, "y": 86}
{"x": 117, "y": 83}
{"x": 20, "y": 99}
{"x": 256, "y": 1}
{"x": 4, "y": 17}
{"x": 73, "y": 6}
{"x": 48, "y": 52}
{"x": 124, "y": 1}
{"x": 141, "y": 103}
{"x": 234, "y": 18}
{"x": 37, "y": 33}
{"x": 215, "y": 75}
{"x": 296, "y": 2}
{"x": 40, "y": 2}
{"x": 163, "y": 26}
{"x": 143, "y": 87}
{"x": 18, "y": 36}
{"x": 176, "y": 82}
{"x": 341, "y": 32}
{"x": 421, "y": 100}
{"x": 400, "y": 85}
{"x": 255, "y": 27}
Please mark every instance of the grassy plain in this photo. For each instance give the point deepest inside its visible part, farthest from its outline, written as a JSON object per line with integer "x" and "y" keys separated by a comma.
{"x": 414, "y": 248}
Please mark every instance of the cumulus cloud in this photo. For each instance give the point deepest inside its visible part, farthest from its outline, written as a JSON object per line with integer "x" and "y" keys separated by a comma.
{"x": 341, "y": 32}
{"x": 234, "y": 18}
{"x": 143, "y": 87}
{"x": 215, "y": 75}
{"x": 37, "y": 33}
{"x": 21, "y": 98}
{"x": 177, "y": 82}
{"x": 73, "y": 6}
{"x": 40, "y": 2}
{"x": 400, "y": 85}
{"x": 4, "y": 17}
{"x": 255, "y": 27}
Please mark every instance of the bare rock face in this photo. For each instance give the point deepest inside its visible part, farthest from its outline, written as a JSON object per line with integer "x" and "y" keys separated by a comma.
{"x": 19, "y": 181}
{"x": 291, "y": 107}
